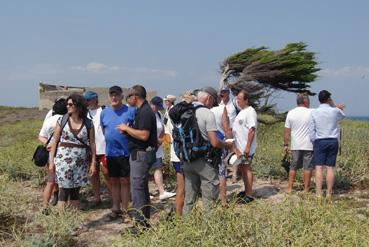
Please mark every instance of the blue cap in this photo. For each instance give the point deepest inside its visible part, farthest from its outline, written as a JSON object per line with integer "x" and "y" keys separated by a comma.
{"x": 89, "y": 95}
{"x": 157, "y": 101}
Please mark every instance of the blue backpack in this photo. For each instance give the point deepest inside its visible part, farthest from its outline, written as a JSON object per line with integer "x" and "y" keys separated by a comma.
{"x": 188, "y": 142}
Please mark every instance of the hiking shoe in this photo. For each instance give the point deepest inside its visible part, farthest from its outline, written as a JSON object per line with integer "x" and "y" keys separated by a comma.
{"x": 246, "y": 199}
{"x": 54, "y": 198}
{"x": 166, "y": 195}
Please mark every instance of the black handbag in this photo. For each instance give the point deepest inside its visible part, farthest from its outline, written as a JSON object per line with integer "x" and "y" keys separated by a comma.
{"x": 41, "y": 155}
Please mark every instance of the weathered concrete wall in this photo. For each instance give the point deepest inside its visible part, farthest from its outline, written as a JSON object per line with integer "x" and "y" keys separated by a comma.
{"x": 49, "y": 93}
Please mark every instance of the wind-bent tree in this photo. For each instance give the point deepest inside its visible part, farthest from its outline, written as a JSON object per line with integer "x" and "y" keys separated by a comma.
{"x": 262, "y": 72}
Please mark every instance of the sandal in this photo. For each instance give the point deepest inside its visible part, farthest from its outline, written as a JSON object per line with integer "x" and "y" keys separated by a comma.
{"x": 115, "y": 214}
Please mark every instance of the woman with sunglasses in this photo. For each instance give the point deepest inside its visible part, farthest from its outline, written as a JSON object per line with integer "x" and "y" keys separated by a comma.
{"x": 75, "y": 152}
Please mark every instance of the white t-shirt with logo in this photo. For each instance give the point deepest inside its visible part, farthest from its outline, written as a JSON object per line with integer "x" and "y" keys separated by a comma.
{"x": 244, "y": 121}
{"x": 159, "y": 130}
{"x": 94, "y": 115}
{"x": 298, "y": 121}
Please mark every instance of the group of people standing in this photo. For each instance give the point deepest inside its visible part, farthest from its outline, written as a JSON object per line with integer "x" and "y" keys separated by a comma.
{"x": 124, "y": 141}
{"x": 315, "y": 135}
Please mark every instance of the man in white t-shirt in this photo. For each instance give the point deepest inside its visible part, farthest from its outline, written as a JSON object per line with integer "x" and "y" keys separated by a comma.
{"x": 94, "y": 113}
{"x": 227, "y": 102}
{"x": 297, "y": 126}
{"x": 244, "y": 132}
{"x": 224, "y": 131}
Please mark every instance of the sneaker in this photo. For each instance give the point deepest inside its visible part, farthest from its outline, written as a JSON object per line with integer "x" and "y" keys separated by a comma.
{"x": 166, "y": 195}
{"x": 54, "y": 198}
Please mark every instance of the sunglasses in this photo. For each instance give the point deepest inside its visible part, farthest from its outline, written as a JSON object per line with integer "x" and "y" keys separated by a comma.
{"x": 70, "y": 104}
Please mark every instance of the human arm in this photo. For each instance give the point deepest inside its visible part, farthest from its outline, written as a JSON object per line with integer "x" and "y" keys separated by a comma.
{"x": 42, "y": 139}
{"x": 226, "y": 124}
{"x": 139, "y": 134}
{"x": 286, "y": 137}
{"x": 53, "y": 147}
{"x": 250, "y": 139}
{"x": 92, "y": 168}
{"x": 215, "y": 142}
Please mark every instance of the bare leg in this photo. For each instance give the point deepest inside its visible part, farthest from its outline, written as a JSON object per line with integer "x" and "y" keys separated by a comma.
{"x": 95, "y": 181}
{"x": 124, "y": 193}
{"x": 46, "y": 195}
{"x": 158, "y": 177}
{"x": 291, "y": 180}
{"x": 247, "y": 178}
{"x": 180, "y": 193}
{"x": 74, "y": 204}
{"x": 104, "y": 171}
{"x": 116, "y": 193}
{"x": 223, "y": 190}
{"x": 307, "y": 179}
{"x": 319, "y": 179}
{"x": 234, "y": 174}
{"x": 330, "y": 181}
{"x": 61, "y": 205}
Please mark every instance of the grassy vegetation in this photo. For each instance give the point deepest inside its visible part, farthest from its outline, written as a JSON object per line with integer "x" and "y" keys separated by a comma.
{"x": 352, "y": 163}
{"x": 294, "y": 222}
{"x": 17, "y": 144}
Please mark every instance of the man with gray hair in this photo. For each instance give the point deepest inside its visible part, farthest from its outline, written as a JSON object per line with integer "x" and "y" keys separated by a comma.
{"x": 297, "y": 127}
{"x": 199, "y": 173}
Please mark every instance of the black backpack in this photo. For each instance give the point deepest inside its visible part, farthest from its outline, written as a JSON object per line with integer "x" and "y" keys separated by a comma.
{"x": 188, "y": 142}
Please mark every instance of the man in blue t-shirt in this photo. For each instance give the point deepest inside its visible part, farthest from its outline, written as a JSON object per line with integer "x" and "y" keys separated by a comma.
{"x": 117, "y": 152}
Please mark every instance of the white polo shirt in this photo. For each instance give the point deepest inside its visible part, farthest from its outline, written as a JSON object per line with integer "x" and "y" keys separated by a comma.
{"x": 244, "y": 121}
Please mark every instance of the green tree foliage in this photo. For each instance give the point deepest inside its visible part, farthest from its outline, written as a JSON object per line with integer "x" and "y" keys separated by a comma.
{"x": 262, "y": 72}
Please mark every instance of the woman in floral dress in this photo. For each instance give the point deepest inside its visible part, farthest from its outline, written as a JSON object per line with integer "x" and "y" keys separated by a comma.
{"x": 75, "y": 152}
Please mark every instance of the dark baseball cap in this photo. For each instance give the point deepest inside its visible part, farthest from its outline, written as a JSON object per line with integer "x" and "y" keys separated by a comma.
{"x": 115, "y": 89}
{"x": 212, "y": 92}
{"x": 157, "y": 101}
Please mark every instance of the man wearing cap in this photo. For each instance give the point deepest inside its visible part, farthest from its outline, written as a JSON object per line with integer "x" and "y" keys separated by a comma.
{"x": 324, "y": 133}
{"x": 244, "y": 132}
{"x": 117, "y": 152}
{"x": 142, "y": 138}
{"x": 156, "y": 104}
{"x": 199, "y": 173}
{"x": 94, "y": 113}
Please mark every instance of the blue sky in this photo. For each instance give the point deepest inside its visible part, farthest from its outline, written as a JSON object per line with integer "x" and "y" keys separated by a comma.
{"x": 171, "y": 46}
